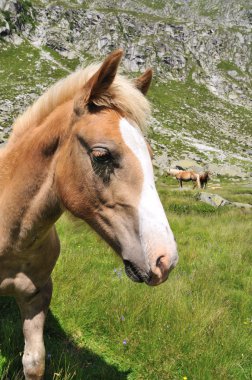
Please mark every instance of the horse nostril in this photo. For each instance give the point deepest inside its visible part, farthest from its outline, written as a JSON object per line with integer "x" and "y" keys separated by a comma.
{"x": 160, "y": 262}
{"x": 165, "y": 264}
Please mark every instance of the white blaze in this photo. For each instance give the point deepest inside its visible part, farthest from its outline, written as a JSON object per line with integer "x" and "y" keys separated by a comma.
{"x": 155, "y": 232}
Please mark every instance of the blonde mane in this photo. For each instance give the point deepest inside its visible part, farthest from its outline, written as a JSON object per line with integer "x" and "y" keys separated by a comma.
{"x": 126, "y": 97}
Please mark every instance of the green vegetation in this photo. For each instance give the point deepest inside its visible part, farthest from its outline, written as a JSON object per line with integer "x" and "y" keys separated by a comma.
{"x": 227, "y": 65}
{"x": 103, "y": 326}
{"x": 189, "y": 114}
{"x": 24, "y": 16}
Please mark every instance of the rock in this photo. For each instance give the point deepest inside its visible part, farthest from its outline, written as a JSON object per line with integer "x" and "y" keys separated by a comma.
{"x": 18, "y": 14}
{"x": 17, "y": 40}
{"x": 212, "y": 199}
{"x": 4, "y": 26}
{"x": 217, "y": 201}
{"x": 162, "y": 162}
{"x": 233, "y": 73}
{"x": 246, "y": 206}
{"x": 69, "y": 54}
{"x": 10, "y": 6}
{"x": 226, "y": 170}
{"x": 186, "y": 164}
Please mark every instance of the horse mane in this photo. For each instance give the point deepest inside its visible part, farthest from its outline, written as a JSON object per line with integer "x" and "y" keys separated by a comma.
{"x": 126, "y": 98}
{"x": 204, "y": 175}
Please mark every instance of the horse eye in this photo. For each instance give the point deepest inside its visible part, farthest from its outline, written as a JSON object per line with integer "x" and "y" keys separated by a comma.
{"x": 101, "y": 155}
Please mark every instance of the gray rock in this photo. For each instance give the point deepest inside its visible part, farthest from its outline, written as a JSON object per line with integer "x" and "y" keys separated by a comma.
{"x": 246, "y": 206}
{"x": 9, "y": 6}
{"x": 4, "y": 26}
{"x": 17, "y": 40}
{"x": 226, "y": 170}
{"x": 217, "y": 201}
{"x": 212, "y": 199}
{"x": 162, "y": 162}
{"x": 187, "y": 164}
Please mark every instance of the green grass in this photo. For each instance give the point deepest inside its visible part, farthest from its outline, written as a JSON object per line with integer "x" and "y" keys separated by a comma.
{"x": 227, "y": 65}
{"x": 198, "y": 324}
{"x": 189, "y": 114}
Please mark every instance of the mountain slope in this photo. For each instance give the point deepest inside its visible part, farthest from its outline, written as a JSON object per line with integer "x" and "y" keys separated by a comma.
{"x": 200, "y": 52}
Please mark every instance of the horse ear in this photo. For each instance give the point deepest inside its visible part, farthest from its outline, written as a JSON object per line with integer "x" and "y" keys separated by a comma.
{"x": 99, "y": 83}
{"x": 144, "y": 81}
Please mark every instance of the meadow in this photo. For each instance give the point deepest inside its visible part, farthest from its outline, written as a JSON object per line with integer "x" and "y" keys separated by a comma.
{"x": 196, "y": 326}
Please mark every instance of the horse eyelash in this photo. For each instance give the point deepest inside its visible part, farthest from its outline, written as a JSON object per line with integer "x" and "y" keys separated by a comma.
{"x": 102, "y": 171}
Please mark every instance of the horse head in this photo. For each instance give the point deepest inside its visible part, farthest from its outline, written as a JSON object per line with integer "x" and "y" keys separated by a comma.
{"x": 104, "y": 173}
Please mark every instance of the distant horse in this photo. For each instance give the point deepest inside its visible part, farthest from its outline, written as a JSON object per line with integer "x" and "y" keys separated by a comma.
{"x": 204, "y": 178}
{"x": 173, "y": 172}
{"x": 79, "y": 148}
{"x": 186, "y": 176}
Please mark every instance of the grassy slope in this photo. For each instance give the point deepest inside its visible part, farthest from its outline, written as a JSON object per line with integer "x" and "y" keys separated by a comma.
{"x": 198, "y": 324}
{"x": 189, "y": 115}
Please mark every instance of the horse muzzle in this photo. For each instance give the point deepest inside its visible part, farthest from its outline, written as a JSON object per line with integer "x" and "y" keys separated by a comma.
{"x": 161, "y": 271}
{"x": 156, "y": 275}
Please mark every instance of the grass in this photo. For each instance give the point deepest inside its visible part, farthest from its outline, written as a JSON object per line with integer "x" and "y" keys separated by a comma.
{"x": 227, "y": 65}
{"x": 103, "y": 326}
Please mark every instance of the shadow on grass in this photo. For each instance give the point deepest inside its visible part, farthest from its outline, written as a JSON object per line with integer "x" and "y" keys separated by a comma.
{"x": 64, "y": 361}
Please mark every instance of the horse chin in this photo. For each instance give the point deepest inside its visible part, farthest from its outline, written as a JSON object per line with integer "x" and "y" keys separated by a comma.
{"x": 133, "y": 272}
{"x": 133, "y": 277}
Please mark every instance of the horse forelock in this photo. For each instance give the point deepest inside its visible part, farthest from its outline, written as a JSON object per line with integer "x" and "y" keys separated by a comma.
{"x": 122, "y": 94}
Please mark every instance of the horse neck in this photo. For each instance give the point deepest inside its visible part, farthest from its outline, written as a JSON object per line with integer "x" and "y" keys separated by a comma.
{"x": 29, "y": 204}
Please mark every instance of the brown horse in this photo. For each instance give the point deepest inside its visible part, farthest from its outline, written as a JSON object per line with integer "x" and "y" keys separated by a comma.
{"x": 186, "y": 176}
{"x": 79, "y": 148}
{"x": 204, "y": 178}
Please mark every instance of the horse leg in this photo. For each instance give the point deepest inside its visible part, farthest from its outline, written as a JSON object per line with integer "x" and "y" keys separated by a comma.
{"x": 180, "y": 183}
{"x": 33, "y": 312}
{"x": 198, "y": 181}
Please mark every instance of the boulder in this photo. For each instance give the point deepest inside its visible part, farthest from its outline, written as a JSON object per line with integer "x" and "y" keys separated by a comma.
{"x": 161, "y": 162}
{"x": 226, "y": 170}
{"x": 212, "y": 199}
{"x": 217, "y": 201}
{"x": 4, "y": 26}
{"x": 187, "y": 164}
{"x": 10, "y": 6}
{"x": 246, "y": 206}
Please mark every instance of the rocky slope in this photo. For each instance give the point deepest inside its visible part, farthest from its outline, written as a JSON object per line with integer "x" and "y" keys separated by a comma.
{"x": 200, "y": 52}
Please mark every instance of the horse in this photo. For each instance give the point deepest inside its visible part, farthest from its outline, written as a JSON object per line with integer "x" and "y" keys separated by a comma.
{"x": 79, "y": 148}
{"x": 173, "y": 172}
{"x": 204, "y": 178}
{"x": 186, "y": 176}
